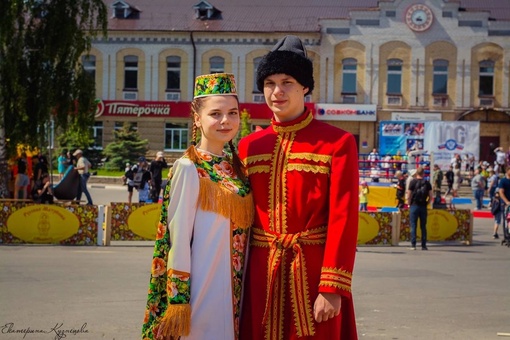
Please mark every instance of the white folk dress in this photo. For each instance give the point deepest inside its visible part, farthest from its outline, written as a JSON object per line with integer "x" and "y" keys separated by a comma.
{"x": 208, "y": 214}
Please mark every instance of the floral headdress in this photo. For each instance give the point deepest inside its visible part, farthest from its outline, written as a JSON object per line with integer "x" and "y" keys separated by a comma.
{"x": 215, "y": 84}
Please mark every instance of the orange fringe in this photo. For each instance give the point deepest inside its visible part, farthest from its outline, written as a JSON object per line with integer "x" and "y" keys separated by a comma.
{"x": 216, "y": 198}
{"x": 176, "y": 321}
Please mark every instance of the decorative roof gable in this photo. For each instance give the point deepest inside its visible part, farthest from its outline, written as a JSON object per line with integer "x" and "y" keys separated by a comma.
{"x": 206, "y": 11}
{"x": 123, "y": 10}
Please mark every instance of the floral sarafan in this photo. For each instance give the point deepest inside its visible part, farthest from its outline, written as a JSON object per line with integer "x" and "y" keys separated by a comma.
{"x": 220, "y": 192}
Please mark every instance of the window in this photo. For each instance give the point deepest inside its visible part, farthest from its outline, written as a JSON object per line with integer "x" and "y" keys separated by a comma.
{"x": 130, "y": 72}
{"x": 97, "y": 133}
{"x": 486, "y": 86}
{"x": 349, "y": 66}
{"x": 173, "y": 73}
{"x": 440, "y": 77}
{"x": 256, "y": 63}
{"x": 394, "y": 76}
{"x": 89, "y": 65}
{"x": 217, "y": 65}
{"x": 176, "y": 137}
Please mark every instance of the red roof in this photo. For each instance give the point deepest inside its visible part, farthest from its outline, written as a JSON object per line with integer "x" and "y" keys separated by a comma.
{"x": 264, "y": 15}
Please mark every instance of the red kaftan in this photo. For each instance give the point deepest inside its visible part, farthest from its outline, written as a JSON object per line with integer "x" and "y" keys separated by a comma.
{"x": 304, "y": 176}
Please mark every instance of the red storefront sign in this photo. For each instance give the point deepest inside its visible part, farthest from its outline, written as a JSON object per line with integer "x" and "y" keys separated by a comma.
{"x": 124, "y": 108}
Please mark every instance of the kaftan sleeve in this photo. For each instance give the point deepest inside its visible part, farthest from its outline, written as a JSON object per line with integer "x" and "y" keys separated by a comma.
{"x": 342, "y": 234}
{"x": 181, "y": 216}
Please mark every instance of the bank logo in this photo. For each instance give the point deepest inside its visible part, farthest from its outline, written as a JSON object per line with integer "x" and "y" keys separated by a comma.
{"x": 450, "y": 144}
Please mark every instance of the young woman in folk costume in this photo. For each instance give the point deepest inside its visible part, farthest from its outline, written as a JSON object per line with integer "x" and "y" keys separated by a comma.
{"x": 201, "y": 242}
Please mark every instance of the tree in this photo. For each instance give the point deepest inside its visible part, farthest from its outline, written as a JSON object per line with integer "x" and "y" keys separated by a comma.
{"x": 245, "y": 123}
{"x": 41, "y": 76}
{"x": 127, "y": 147}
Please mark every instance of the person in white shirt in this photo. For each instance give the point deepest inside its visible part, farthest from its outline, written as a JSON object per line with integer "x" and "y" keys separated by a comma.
{"x": 82, "y": 166}
{"x": 499, "y": 166}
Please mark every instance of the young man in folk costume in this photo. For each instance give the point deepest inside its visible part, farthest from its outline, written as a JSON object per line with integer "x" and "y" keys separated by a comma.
{"x": 198, "y": 263}
{"x": 304, "y": 175}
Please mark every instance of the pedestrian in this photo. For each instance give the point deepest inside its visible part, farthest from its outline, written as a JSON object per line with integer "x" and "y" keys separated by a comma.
{"x": 437, "y": 180}
{"x": 82, "y": 166}
{"x": 42, "y": 192}
{"x": 196, "y": 284}
{"x": 156, "y": 169}
{"x": 478, "y": 187}
{"x": 457, "y": 179}
{"x": 401, "y": 189}
{"x": 419, "y": 195}
{"x": 374, "y": 158}
{"x": 21, "y": 182}
{"x": 374, "y": 174}
{"x": 504, "y": 190}
{"x": 450, "y": 178}
{"x": 304, "y": 175}
{"x": 492, "y": 184}
{"x": 363, "y": 196}
{"x": 62, "y": 164}
{"x": 128, "y": 179}
{"x": 497, "y": 212}
{"x": 141, "y": 180}
{"x": 499, "y": 164}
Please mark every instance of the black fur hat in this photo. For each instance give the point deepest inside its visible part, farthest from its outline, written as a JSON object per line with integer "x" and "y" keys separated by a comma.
{"x": 289, "y": 57}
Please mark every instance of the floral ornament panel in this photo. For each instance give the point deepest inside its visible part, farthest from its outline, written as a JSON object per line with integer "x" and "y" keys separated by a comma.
{"x": 215, "y": 84}
{"x": 220, "y": 170}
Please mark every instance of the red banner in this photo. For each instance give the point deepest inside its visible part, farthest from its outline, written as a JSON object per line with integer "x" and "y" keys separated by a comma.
{"x": 136, "y": 108}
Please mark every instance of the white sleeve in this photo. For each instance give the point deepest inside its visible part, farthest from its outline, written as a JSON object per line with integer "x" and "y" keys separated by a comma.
{"x": 181, "y": 214}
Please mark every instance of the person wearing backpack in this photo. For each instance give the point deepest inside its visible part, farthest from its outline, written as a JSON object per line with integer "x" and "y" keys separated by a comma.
{"x": 419, "y": 195}
{"x": 497, "y": 210}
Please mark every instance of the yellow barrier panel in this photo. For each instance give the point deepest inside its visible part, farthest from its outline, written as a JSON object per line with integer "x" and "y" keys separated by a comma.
{"x": 378, "y": 228}
{"x": 442, "y": 225}
{"x": 48, "y": 223}
{"x": 382, "y": 196}
{"x": 137, "y": 221}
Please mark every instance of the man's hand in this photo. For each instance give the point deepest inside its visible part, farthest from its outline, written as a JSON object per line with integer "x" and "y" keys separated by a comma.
{"x": 326, "y": 306}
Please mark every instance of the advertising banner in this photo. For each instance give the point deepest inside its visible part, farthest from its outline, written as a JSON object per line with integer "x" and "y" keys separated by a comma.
{"x": 347, "y": 112}
{"x": 437, "y": 138}
{"x": 445, "y": 139}
{"x": 401, "y": 136}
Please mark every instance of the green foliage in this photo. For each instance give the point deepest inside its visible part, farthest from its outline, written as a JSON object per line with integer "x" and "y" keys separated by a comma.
{"x": 41, "y": 76}
{"x": 245, "y": 123}
{"x": 127, "y": 148}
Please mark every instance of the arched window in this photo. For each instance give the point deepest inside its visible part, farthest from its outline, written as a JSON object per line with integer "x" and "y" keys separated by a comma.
{"x": 440, "y": 77}
{"x": 394, "y": 76}
{"x": 349, "y": 70}
{"x": 216, "y": 65}
{"x": 173, "y": 73}
{"x": 486, "y": 80}
{"x": 130, "y": 72}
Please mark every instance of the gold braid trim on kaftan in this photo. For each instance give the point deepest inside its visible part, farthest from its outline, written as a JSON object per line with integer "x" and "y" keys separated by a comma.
{"x": 338, "y": 278}
{"x": 215, "y": 197}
